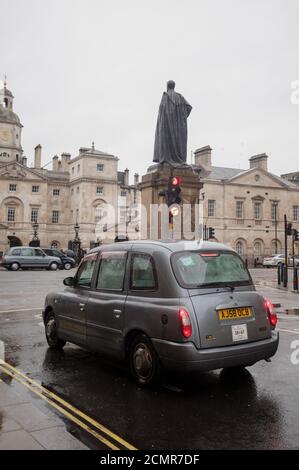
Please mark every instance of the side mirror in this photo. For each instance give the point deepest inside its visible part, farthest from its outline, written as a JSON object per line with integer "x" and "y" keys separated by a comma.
{"x": 69, "y": 281}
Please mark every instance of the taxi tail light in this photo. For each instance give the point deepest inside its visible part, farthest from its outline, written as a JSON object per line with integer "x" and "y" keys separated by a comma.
{"x": 185, "y": 323}
{"x": 271, "y": 314}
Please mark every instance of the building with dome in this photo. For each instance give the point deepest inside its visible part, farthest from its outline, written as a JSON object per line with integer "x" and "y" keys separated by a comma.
{"x": 74, "y": 193}
{"x": 10, "y": 129}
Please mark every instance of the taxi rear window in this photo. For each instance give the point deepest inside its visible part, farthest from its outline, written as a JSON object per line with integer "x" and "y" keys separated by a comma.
{"x": 195, "y": 269}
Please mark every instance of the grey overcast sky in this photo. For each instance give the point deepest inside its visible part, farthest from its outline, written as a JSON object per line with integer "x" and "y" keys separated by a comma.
{"x": 95, "y": 70}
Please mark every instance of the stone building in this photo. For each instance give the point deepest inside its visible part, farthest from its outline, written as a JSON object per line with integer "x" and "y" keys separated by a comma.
{"x": 247, "y": 207}
{"x": 75, "y": 191}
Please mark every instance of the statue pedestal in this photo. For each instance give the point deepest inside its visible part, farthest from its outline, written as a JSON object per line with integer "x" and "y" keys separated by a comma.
{"x": 185, "y": 225}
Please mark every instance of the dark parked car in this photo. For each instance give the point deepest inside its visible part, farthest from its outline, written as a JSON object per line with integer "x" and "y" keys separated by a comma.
{"x": 29, "y": 257}
{"x": 67, "y": 261}
{"x": 181, "y": 305}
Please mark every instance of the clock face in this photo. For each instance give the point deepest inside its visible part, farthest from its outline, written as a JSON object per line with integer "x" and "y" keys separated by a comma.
{"x": 5, "y": 136}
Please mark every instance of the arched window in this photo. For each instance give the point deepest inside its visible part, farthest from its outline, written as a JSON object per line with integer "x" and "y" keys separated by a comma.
{"x": 55, "y": 244}
{"x": 98, "y": 213}
{"x": 257, "y": 248}
{"x": 240, "y": 248}
{"x": 275, "y": 247}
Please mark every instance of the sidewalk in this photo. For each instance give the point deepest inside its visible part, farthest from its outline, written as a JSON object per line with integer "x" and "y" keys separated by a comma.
{"x": 23, "y": 426}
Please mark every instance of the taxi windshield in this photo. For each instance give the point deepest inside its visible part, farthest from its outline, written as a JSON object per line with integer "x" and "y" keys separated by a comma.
{"x": 209, "y": 269}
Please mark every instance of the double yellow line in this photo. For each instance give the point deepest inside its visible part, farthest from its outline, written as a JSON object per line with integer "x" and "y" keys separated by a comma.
{"x": 106, "y": 437}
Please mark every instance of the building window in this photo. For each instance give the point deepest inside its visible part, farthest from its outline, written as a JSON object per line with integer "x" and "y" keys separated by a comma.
{"x": 98, "y": 213}
{"x": 72, "y": 191}
{"x": 100, "y": 167}
{"x": 72, "y": 215}
{"x": 73, "y": 170}
{"x": 11, "y": 214}
{"x": 55, "y": 217}
{"x": 56, "y": 192}
{"x": 240, "y": 248}
{"x": 78, "y": 168}
{"x": 34, "y": 215}
{"x": 257, "y": 210}
{"x": 122, "y": 215}
{"x": 78, "y": 189}
{"x": 257, "y": 249}
{"x": 99, "y": 190}
{"x": 296, "y": 213}
{"x": 239, "y": 209}
{"x": 123, "y": 193}
{"x": 275, "y": 247}
{"x": 35, "y": 189}
{"x": 77, "y": 215}
{"x": 211, "y": 208}
{"x": 12, "y": 187}
{"x": 274, "y": 212}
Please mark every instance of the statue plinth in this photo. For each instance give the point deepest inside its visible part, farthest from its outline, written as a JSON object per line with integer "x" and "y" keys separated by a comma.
{"x": 156, "y": 180}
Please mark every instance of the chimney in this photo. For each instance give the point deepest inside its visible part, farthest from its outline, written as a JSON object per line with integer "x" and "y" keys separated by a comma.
{"x": 126, "y": 178}
{"x": 55, "y": 163}
{"x": 38, "y": 156}
{"x": 136, "y": 179}
{"x": 24, "y": 161}
{"x": 65, "y": 158}
{"x": 203, "y": 157}
{"x": 259, "y": 161}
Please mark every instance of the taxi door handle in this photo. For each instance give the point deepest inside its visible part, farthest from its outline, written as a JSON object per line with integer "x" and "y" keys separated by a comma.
{"x": 117, "y": 313}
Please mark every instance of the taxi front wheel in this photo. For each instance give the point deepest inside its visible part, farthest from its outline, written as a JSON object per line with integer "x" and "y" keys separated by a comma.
{"x": 51, "y": 333}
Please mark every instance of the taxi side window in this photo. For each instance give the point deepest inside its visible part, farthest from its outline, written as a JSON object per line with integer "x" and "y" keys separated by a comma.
{"x": 112, "y": 270}
{"x": 85, "y": 272}
{"x": 143, "y": 274}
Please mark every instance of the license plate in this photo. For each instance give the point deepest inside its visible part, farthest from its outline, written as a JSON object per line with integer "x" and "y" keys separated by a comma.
{"x": 234, "y": 313}
{"x": 239, "y": 332}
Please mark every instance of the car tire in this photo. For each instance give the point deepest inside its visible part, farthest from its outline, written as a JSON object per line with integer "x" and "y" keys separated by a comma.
{"x": 53, "y": 267}
{"x": 53, "y": 340}
{"x": 67, "y": 266}
{"x": 144, "y": 362}
{"x": 14, "y": 266}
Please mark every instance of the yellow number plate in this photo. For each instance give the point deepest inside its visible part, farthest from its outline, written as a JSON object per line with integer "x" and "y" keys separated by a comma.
{"x": 234, "y": 313}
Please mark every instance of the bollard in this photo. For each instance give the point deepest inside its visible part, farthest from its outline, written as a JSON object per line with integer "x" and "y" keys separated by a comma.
{"x": 278, "y": 274}
{"x": 295, "y": 279}
{"x": 285, "y": 275}
{"x": 281, "y": 272}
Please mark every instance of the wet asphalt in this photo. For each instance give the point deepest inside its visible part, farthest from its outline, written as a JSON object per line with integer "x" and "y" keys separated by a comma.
{"x": 258, "y": 409}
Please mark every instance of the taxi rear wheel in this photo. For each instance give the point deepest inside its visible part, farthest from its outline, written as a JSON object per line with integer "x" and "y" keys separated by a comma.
{"x": 144, "y": 362}
{"x": 52, "y": 334}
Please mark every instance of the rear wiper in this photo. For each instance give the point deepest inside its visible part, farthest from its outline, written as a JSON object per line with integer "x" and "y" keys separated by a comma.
{"x": 217, "y": 284}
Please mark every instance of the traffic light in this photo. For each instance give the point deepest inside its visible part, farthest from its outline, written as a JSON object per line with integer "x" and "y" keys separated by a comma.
{"x": 174, "y": 190}
{"x": 211, "y": 232}
{"x": 296, "y": 235}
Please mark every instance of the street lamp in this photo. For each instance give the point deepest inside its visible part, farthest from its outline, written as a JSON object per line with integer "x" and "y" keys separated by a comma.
{"x": 35, "y": 227}
{"x": 77, "y": 241}
{"x": 35, "y": 240}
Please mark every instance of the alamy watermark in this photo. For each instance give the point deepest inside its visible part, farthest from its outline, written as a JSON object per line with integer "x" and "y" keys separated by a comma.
{"x": 295, "y": 353}
{"x": 295, "y": 93}
{"x": 158, "y": 221}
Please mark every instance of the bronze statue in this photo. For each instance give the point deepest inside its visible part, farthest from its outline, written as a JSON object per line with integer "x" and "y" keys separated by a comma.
{"x": 171, "y": 130}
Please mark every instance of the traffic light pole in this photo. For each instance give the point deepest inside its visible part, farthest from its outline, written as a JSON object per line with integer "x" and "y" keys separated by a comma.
{"x": 285, "y": 277}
